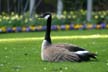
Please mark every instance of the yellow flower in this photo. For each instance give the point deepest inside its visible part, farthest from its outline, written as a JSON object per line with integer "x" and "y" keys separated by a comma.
{"x": 26, "y": 20}
{"x": 102, "y": 16}
{"x": 14, "y": 28}
{"x": 89, "y": 26}
{"x": 77, "y": 26}
{"x": 16, "y": 17}
{"x": 36, "y": 15}
{"x": 107, "y": 26}
{"x": 74, "y": 16}
{"x": 32, "y": 28}
{"x": 30, "y": 19}
{"x": 20, "y": 17}
{"x": 4, "y": 17}
{"x": 3, "y": 29}
{"x": 80, "y": 25}
{"x": 0, "y": 20}
{"x": 58, "y": 27}
{"x": 69, "y": 16}
{"x": 82, "y": 11}
{"x": 67, "y": 27}
{"x": 71, "y": 12}
{"x": 100, "y": 13}
{"x": 104, "y": 12}
{"x": 96, "y": 17}
{"x": 7, "y": 18}
{"x": 98, "y": 26}
{"x": 12, "y": 13}
{"x": 64, "y": 12}
{"x": 63, "y": 17}
{"x": 23, "y": 29}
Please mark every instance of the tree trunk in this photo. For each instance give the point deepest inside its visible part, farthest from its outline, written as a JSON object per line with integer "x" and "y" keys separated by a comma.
{"x": 32, "y": 2}
{"x": 59, "y": 8}
{"x": 89, "y": 10}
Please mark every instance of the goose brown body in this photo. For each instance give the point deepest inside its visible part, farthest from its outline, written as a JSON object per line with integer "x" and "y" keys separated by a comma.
{"x": 62, "y": 52}
{"x": 65, "y": 52}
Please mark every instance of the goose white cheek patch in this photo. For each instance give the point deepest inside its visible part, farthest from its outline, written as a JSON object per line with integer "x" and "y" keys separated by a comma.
{"x": 47, "y": 16}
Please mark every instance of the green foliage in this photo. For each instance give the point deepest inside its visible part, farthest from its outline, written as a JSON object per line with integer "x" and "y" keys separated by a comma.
{"x": 75, "y": 17}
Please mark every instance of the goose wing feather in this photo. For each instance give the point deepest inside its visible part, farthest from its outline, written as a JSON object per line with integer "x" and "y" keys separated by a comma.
{"x": 70, "y": 47}
{"x": 56, "y": 54}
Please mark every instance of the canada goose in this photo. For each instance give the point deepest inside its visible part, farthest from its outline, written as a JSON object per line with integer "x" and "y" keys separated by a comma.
{"x": 61, "y": 52}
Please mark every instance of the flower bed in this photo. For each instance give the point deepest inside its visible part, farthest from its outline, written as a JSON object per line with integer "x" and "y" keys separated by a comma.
{"x": 54, "y": 27}
{"x": 73, "y": 20}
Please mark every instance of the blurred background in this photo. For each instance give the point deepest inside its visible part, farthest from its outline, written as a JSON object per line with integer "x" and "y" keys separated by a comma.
{"x": 24, "y": 13}
{"x": 80, "y": 22}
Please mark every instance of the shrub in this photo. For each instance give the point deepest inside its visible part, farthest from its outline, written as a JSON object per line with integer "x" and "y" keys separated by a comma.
{"x": 72, "y": 17}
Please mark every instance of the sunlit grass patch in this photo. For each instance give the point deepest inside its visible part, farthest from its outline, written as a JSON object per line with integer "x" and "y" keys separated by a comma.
{"x": 54, "y": 38}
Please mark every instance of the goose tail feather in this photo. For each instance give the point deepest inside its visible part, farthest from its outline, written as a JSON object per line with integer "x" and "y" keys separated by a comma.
{"x": 86, "y": 56}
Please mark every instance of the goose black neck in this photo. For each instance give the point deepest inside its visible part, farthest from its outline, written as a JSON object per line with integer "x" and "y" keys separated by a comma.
{"x": 48, "y": 30}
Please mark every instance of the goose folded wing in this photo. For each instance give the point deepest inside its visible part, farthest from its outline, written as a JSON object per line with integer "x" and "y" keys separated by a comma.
{"x": 71, "y": 57}
{"x": 70, "y": 47}
{"x": 59, "y": 57}
{"x": 57, "y": 54}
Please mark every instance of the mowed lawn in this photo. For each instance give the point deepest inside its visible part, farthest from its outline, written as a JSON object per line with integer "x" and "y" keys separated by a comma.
{"x": 24, "y": 55}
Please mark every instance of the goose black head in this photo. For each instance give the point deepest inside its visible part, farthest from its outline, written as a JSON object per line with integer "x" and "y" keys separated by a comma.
{"x": 46, "y": 15}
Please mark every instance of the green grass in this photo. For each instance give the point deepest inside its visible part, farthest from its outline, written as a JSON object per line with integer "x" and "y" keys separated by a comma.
{"x": 24, "y": 56}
